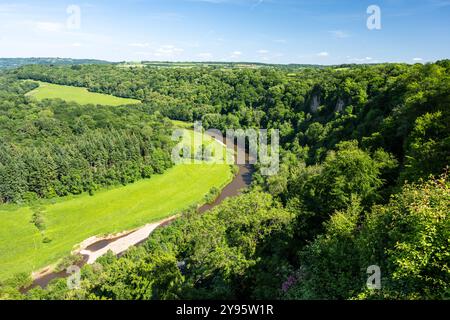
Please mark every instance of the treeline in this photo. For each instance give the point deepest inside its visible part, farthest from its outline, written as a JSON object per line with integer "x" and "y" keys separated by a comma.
{"x": 391, "y": 106}
{"x": 17, "y": 62}
{"x": 362, "y": 182}
{"x": 247, "y": 248}
{"x": 54, "y": 148}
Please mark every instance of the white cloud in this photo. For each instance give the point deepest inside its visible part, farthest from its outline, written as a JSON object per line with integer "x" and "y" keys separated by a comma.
{"x": 205, "y": 55}
{"x": 142, "y": 53}
{"x": 162, "y": 52}
{"x": 252, "y": 3}
{"x": 76, "y": 44}
{"x": 236, "y": 54}
{"x": 168, "y": 51}
{"x": 263, "y": 55}
{"x": 18, "y": 25}
{"x": 13, "y": 8}
{"x": 257, "y": 3}
{"x": 49, "y": 26}
{"x": 323, "y": 54}
{"x": 211, "y": 1}
{"x": 339, "y": 34}
{"x": 140, "y": 45}
{"x": 440, "y": 3}
{"x": 417, "y": 59}
{"x": 362, "y": 60}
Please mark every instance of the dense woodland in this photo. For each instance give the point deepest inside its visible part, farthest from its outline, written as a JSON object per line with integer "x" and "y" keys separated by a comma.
{"x": 54, "y": 148}
{"x": 7, "y": 63}
{"x": 363, "y": 178}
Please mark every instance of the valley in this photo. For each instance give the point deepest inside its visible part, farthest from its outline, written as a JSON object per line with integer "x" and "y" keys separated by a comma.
{"x": 362, "y": 176}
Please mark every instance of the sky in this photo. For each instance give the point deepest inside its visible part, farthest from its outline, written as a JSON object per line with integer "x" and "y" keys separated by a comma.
{"x": 270, "y": 31}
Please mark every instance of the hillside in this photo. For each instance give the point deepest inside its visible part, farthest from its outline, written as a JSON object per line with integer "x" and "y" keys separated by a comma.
{"x": 8, "y": 63}
{"x": 362, "y": 178}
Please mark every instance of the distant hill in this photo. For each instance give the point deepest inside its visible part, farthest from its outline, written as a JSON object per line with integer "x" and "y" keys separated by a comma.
{"x": 217, "y": 64}
{"x": 17, "y": 62}
{"x": 8, "y": 63}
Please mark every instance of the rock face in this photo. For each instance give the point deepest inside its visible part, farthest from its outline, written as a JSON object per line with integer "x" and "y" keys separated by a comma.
{"x": 315, "y": 103}
{"x": 339, "y": 105}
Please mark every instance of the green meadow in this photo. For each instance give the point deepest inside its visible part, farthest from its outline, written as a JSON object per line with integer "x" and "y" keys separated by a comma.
{"x": 71, "y": 220}
{"x": 77, "y": 94}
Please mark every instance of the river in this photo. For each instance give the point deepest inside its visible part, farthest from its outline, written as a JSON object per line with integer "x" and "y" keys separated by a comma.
{"x": 240, "y": 182}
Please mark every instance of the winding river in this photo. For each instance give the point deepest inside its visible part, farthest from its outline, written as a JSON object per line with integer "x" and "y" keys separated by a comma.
{"x": 118, "y": 244}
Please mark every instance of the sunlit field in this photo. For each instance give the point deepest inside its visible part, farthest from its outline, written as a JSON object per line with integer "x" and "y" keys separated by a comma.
{"x": 71, "y": 220}
{"x": 78, "y": 95}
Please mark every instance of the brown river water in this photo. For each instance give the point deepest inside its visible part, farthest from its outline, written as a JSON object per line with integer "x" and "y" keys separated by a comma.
{"x": 240, "y": 182}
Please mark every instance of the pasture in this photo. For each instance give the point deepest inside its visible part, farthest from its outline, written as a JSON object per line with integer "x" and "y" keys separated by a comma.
{"x": 70, "y": 220}
{"x": 77, "y": 94}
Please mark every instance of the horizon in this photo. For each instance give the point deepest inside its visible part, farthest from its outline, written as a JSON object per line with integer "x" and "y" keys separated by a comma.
{"x": 322, "y": 32}
{"x": 226, "y": 62}
{"x": 252, "y": 153}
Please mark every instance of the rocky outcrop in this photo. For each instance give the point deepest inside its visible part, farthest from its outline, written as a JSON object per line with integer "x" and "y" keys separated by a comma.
{"x": 315, "y": 103}
{"x": 339, "y": 106}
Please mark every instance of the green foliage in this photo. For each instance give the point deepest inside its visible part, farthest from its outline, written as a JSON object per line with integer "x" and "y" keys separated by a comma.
{"x": 68, "y": 261}
{"x": 347, "y": 172}
{"x": 71, "y": 220}
{"x": 408, "y": 239}
{"x": 38, "y": 219}
{"x": 330, "y": 266}
{"x": 233, "y": 251}
{"x": 376, "y": 105}
{"x": 10, "y": 289}
{"x": 153, "y": 277}
{"x": 53, "y": 148}
{"x": 414, "y": 230}
{"x": 316, "y": 192}
{"x": 350, "y": 137}
{"x": 212, "y": 195}
{"x": 428, "y": 146}
{"x": 224, "y": 247}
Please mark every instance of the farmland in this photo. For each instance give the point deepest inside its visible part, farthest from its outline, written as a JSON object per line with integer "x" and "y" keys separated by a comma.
{"x": 76, "y": 94}
{"x": 70, "y": 220}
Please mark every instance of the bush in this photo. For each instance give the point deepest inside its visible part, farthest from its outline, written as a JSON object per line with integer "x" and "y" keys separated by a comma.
{"x": 408, "y": 238}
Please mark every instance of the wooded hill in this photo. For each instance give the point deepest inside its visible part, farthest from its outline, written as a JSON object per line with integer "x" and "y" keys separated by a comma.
{"x": 362, "y": 182}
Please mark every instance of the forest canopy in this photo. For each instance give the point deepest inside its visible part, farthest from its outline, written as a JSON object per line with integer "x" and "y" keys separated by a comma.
{"x": 363, "y": 178}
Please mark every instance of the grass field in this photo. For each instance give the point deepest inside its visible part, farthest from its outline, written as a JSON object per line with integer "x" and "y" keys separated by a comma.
{"x": 76, "y": 94}
{"x": 71, "y": 220}
{"x": 182, "y": 124}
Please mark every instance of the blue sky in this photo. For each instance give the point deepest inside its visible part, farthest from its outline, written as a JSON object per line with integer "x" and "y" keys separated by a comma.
{"x": 272, "y": 31}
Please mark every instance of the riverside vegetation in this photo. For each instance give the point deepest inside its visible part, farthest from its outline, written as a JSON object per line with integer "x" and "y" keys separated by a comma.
{"x": 363, "y": 178}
